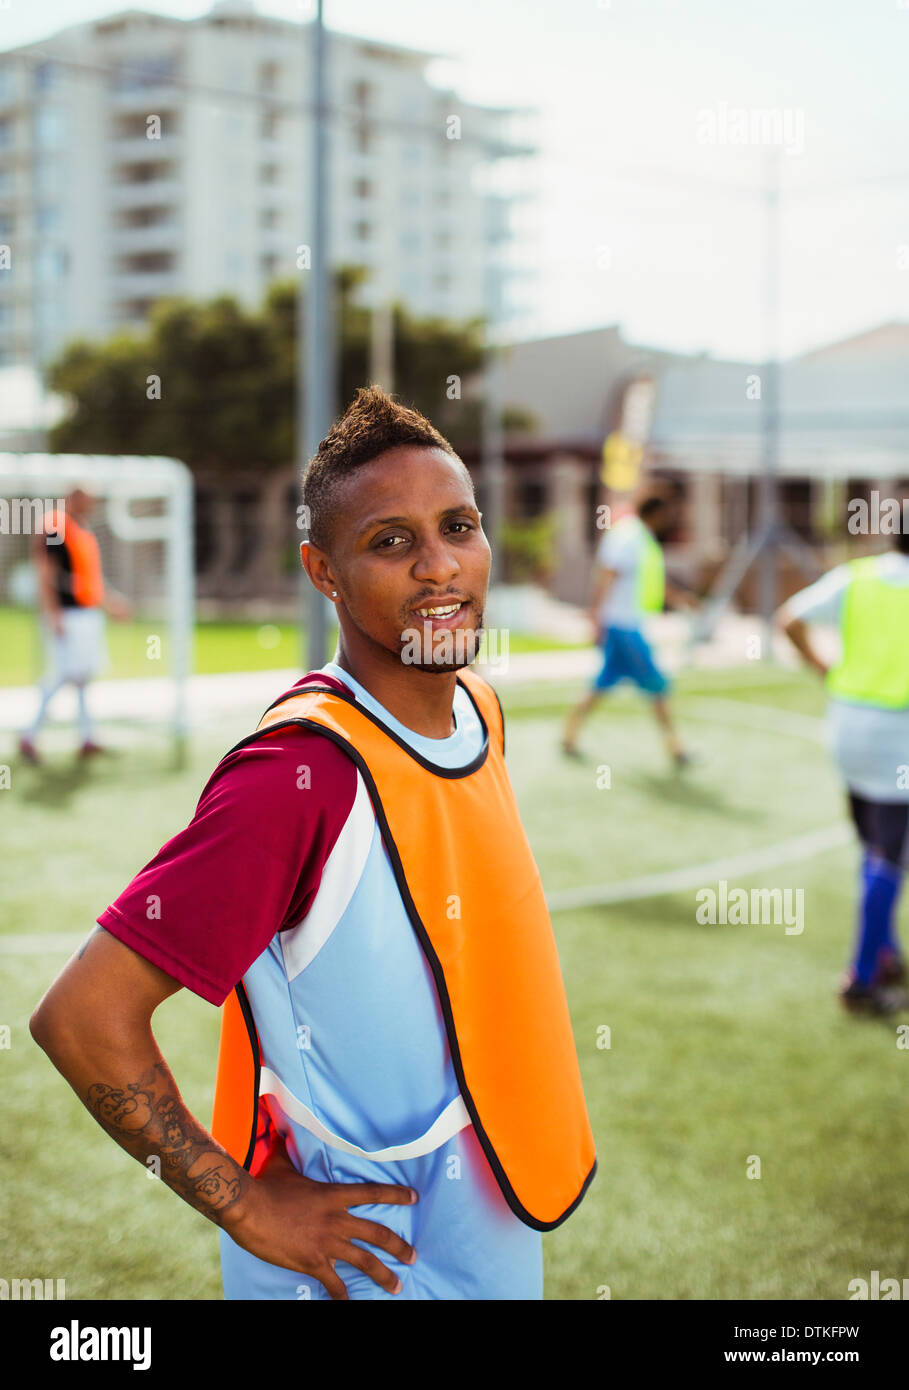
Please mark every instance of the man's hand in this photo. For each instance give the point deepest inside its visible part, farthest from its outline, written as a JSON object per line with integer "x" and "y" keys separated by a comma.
{"x": 292, "y": 1221}
{"x": 117, "y": 606}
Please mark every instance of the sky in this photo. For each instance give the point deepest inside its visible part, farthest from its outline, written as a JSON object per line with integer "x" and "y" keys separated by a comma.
{"x": 649, "y": 206}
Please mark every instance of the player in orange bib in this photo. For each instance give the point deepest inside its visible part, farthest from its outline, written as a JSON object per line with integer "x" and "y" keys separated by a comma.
{"x": 398, "y": 1105}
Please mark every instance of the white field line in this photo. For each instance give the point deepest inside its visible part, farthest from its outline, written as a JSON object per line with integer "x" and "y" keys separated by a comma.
{"x": 749, "y": 861}
{"x": 629, "y": 889}
{"x": 697, "y": 875}
{"x": 600, "y": 895}
{"x": 757, "y": 717}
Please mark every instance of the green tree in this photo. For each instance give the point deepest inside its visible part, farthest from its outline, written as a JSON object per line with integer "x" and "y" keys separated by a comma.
{"x": 228, "y": 378}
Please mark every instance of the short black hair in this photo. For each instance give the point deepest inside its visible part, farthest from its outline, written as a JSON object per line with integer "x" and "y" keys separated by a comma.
{"x": 372, "y": 423}
{"x": 656, "y": 494}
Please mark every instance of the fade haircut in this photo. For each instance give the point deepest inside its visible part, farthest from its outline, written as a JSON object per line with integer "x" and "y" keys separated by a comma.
{"x": 372, "y": 423}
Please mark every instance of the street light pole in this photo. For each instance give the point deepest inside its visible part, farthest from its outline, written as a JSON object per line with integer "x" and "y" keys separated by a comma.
{"x": 315, "y": 326}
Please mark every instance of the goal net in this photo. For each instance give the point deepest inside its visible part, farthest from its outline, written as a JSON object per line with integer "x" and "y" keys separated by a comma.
{"x": 143, "y": 522}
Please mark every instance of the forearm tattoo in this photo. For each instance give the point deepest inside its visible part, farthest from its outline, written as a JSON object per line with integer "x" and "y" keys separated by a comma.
{"x": 148, "y": 1119}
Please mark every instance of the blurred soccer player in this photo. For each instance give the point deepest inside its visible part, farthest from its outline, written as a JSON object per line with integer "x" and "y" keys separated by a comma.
{"x": 630, "y": 582}
{"x": 868, "y": 722}
{"x": 73, "y": 598}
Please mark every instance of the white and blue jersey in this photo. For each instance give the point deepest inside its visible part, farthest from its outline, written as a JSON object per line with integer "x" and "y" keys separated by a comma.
{"x": 348, "y": 1018}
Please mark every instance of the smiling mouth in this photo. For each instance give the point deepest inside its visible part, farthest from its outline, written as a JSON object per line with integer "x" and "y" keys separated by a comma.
{"x": 439, "y": 610}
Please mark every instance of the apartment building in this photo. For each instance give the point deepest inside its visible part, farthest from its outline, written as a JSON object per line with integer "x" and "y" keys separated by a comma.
{"x": 142, "y": 155}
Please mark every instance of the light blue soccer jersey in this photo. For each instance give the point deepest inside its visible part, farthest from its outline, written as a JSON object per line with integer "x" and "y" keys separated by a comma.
{"x": 349, "y": 1020}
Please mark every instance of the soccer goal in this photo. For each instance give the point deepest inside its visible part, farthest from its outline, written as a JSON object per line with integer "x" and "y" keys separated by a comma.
{"x": 143, "y": 522}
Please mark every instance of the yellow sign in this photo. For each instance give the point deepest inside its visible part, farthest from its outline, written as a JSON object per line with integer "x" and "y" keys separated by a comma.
{"x": 621, "y": 462}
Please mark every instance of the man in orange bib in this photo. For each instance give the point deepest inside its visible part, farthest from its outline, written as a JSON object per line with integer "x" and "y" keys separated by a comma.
{"x": 395, "y": 1036}
{"x": 73, "y": 598}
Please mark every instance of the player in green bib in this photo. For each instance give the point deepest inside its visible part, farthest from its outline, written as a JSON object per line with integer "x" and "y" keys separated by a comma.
{"x": 868, "y": 717}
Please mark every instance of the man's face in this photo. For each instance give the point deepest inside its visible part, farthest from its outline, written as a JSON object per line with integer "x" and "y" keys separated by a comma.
{"x": 408, "y": 537}
{"x": 80, "y": 504}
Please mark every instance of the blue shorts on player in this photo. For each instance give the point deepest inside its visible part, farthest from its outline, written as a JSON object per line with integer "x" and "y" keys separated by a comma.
{"x": 627, "y": 656}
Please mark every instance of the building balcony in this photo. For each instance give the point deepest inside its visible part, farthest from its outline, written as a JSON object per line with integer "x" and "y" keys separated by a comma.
{"x": 136, "y": 149}
{"x": 145, "y": 284}
{"x": 159, "y": 97}
{"x": 160, "y": 236}
{"x": 133, "y": 194}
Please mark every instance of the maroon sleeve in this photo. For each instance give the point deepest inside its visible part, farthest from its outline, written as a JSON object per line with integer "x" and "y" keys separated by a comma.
{"x": 248, "y": 864}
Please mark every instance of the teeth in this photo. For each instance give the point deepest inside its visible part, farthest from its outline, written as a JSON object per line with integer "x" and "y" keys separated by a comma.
{"x": 439, "y": 612}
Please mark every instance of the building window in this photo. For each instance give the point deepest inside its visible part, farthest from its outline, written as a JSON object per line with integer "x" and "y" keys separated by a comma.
{"x": 48, "y": 127}
{"x": 50, "y": 264}
{"x": 270, "y": 125}
{"x": 270, "y": 173}
{"x": 147, "y": 262}
{"x": 147, "y": 172}
{"x": 362, "y": 94}
{"x": 362, "y": 188}
{"x": 44, "y": 76}
{"x": 364, "y": 139}
{"x": 362, "y": 231}
{"x": 145, "y": 217}
{"x": 270, "y": 217}
{"x": 154, "y": 71}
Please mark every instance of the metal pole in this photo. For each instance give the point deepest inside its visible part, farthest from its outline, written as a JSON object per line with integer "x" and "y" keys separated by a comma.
{"x": 382, "y": 341}
{"x": 181, "y": 602}
{"x": 315, "y": 335}
{"x": 492, "y": 449}
{"x": 770, "y": 413}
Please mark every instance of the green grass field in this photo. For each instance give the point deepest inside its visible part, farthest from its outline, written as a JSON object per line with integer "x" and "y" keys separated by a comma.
{"x": 218, "y": 646}
{"x": 726, "y": 1041}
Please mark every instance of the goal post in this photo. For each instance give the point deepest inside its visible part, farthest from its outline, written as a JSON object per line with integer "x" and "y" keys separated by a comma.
{"x": 144, "y": 528}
